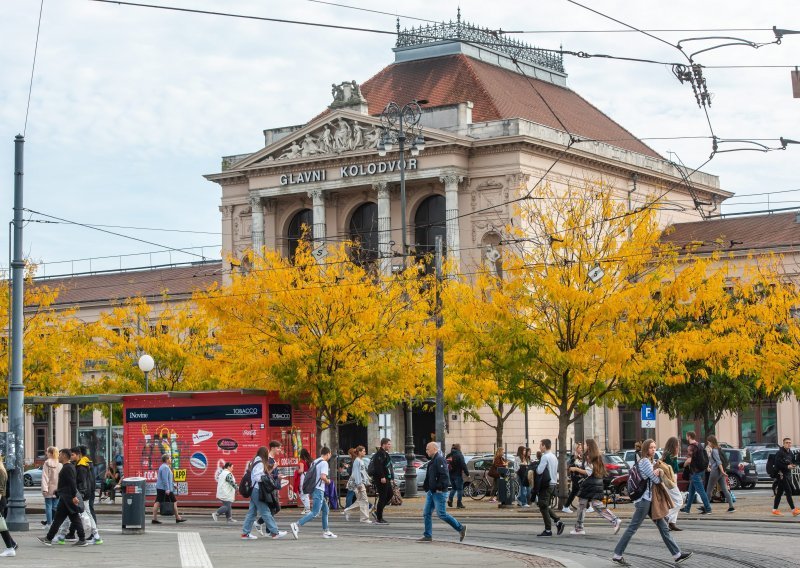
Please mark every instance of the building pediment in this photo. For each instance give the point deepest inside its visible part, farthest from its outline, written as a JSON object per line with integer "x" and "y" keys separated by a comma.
{"x": 337, "y": 134}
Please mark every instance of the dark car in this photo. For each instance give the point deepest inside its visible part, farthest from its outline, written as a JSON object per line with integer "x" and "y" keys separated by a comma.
{"x": 741, "y": 469}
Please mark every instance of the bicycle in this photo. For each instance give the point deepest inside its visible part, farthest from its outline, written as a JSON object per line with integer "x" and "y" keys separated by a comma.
{"x": 479, "y": 488}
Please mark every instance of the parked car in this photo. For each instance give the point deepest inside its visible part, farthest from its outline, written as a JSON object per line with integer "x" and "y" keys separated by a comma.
{"x": 760, "y": 461}
{"x": 399, "y": 466}
{"x": 32, "y": 477}
{"x": 741, "y": 470}
{"x": 629, "y": 456}
{"x": 615, "y": 467}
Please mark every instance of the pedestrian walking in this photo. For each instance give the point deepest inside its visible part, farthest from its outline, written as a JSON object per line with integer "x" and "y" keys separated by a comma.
{"x": 382, "y": 474}
{"x": 346, "y": 470}
{"x": 259, "y": 508}
{"x": 592, "y": 489}
{"x": 697, "y": 462}
{"x": 670, "y": 457}
{"x": 226, "y": 493}
{"x": 11, "y": 546}
{"x": 784, "y": 466}
{"x": 574, "y": 467}
{"x": 165, "y": 490}
{"x": 496, "y": 471}
{"x": 717, "y": 473}
{"x": 84, "y": 475}
{"x": 68, "y": 502}
{"x": 358, "y": 484}
{"x": 302, "y": 467}
{"x": 642, "y": 510}
{"x": 85, "y": 467}
{"x": 457, "y": 468}
{"x": 524, "y": 495}
{"x": 547, "y": 471}
{"x": 437, "y": 480}
{"x": 50, "y": 471}
{"x": 319, "y": 505}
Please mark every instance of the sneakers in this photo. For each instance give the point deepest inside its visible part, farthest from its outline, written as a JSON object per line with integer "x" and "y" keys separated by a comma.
{"x": 328, "y": 534}
{"x": 704, "y": 511}
{"x": 181, "y": 520}
{"x": 545, "y": 533}
{"x": 460, "y": 506}
{"x": 278, "y": 535}
{"x": 566, "y": 510}
{"x": 156, "y": 522}
{"x": 590, "y": 510}
{"x": 82, "y": 543}
{"x": 619, "y": 561}
{"x": 449, "y": 503}
{"x": 96, "y": 540}
{"x": 215, "y": 516}
{"x": 525, "y": 505}
{"x": 617, "y": 525}
{"x": 366, "y": 521}
{"x": 8, "y": 552}
{"x": 70, "y": 539}
{"x": 381, "y": 522}
{"x": 577, "y": 531}
{"x": 731, "y": 509}
{"x": 560, "y": 527}
{"x": 777, "y": 513}
{"x": 262, "y": 529}
{"x": 248, "y": 536}
{"x": 425, "y": 539}
{"x": 295, "y": 530}
{"x": 305, "y": 512}
{"x": 231, "y": 520}
{"x": 462, "y": 533}
{"x": 683, "y": 557}
{"x": 493, "y": 500}
{"x": 686, "y": 511}
{"x": 795, "y": 512}
{"x": 346, "y": 515}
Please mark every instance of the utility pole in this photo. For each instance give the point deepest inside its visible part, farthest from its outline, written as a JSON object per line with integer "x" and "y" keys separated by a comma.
{"x": 439, "y": 349}
{"x": 17, "y": 520}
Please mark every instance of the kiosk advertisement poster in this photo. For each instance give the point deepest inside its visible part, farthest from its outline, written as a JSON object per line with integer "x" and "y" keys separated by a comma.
{"x": 202, "y": 432}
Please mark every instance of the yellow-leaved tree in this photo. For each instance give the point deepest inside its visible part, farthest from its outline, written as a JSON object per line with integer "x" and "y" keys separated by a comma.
{"x": 176, "y": 334}
{"x": 329, "y": 334}
{"x": 56, "y": 344}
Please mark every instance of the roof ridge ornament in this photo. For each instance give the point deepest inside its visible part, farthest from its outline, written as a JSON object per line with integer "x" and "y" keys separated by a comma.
{"x": 495, "y": 40}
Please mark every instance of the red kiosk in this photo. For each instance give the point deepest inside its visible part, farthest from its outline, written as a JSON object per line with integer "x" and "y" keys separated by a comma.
{"x": 200, "y": 431}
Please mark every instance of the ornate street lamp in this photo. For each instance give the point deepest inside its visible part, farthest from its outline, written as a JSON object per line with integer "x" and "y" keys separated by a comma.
{"x": 146, "y": 364}
{"x": 399, "y": 124}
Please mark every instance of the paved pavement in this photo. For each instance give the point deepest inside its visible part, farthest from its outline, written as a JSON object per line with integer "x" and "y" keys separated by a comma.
{"x": 748, "y": 538}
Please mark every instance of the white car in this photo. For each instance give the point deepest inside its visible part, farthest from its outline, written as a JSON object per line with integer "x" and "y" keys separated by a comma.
{"x": 629, "y": 456}
{"x": 760, "y": 460}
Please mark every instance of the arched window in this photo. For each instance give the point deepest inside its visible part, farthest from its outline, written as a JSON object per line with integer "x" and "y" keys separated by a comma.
{"x": 429, "y": 221}
{"x": 300, "y": 227}
{"x": 364, "y": 233}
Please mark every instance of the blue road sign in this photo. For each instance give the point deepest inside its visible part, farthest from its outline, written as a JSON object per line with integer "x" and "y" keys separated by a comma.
{"x": 648, "y": 416}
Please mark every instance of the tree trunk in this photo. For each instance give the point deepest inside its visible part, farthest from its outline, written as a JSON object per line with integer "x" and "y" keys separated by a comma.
{"x": 318, "y": 423}
{"x": 499, "y": 428}
{"x": 563, "y": 491}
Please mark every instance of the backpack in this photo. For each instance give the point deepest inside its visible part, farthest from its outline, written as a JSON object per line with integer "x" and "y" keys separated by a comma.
{"x": 312, "y": 478}
{"x": 701, "y": 457}
{"x": 637, "y": 484}
{"x": 772, "y": 467}
{"x": 372, "y": 468}
{"x": 723, "y": 457}
{"x": 246, "y": 484}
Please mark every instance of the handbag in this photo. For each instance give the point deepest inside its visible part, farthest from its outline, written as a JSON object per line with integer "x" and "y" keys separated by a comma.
{"x": 396, "y": 498}
{"x": 686, "y": 475}
{"x": 493, "y": 473}
{"x": 661, "y": 502}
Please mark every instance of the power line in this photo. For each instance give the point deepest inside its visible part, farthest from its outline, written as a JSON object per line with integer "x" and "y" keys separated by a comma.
{"x": 159, "y": 229}
{"x": 33, "y": 68}
{"x": 360, "y": 9}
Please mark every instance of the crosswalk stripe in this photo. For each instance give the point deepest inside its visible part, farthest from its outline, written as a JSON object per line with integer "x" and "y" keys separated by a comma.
{"x": 193, "y": 553}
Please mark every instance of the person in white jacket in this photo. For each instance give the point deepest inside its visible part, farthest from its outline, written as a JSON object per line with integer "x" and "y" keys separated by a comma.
{"x": 226, "y": 493}
{"x": 50, "y": 471}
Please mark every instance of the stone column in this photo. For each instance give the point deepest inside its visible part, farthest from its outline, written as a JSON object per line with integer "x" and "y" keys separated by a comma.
{"x": 384, "y": 227}
{"x": 451, "y": 181}
{"x": 257, "y": 230}
{"x": 318, "y": 211}
{"x": 270, "y": 229}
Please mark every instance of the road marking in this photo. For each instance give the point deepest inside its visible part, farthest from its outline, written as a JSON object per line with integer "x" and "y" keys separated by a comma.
{"x": 193, "y": 553}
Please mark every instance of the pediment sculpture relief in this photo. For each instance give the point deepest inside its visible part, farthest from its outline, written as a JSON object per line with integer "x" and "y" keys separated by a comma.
{"x": 334, "y": 138}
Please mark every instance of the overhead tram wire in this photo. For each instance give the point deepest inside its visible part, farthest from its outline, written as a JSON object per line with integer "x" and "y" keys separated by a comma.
{"x": 33, "y": 68}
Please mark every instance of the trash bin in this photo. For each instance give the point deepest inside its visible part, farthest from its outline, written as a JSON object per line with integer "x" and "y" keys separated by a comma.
{"x": 133, "y": 505}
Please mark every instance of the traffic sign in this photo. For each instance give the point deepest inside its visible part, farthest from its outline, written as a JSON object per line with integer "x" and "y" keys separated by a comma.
{"x": 648, "y": 416}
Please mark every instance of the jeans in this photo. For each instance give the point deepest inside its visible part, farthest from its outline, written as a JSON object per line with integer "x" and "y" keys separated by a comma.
{"x": 639, "y": 515}
{"x": 351, "y": 496}
{"x": 457, "y": 489}
{"x": 225, "y": 509}
{"x": 545, "y": 496}
{"x": 524, "y": 495}
{"x": 696, "y": 487}
{"x": 50, "y": 504}
{"x": 437, "y": 499}
{"x": 62, "y": 514}
{"x": 320, "y": 504}
{"x": 716, "y": 477}
{"x": 258, "y": 508}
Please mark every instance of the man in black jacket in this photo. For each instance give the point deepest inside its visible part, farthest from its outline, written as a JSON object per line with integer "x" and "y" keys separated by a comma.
{"x": 458, "y": 469}
{"x": 784, "y": 463}
{"x": 382, "y": 478}
{"x": 437, "y": 480}
{"x": 68, "y": 502}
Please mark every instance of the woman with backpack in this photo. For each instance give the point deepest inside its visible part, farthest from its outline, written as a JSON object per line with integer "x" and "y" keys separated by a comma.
{"x": 717, "y": 473}
{"x": 592, "y": 488}
{"x": 258, "y": 507}
{"x": 358, "y": 483}
{"x": 226, "y": 492}
{"x": 641, "y": 496}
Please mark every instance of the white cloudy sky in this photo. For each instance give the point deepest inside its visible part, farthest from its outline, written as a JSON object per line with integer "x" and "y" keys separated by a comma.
{"x": 131, "y": 106}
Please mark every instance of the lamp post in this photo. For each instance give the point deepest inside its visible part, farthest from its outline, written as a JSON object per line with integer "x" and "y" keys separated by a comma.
{"x": 399, "y": 124}
{"x": 146, "y": 365}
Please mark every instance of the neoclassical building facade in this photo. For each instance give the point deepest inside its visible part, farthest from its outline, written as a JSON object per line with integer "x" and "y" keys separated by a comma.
{"x": 496, "y": 121}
